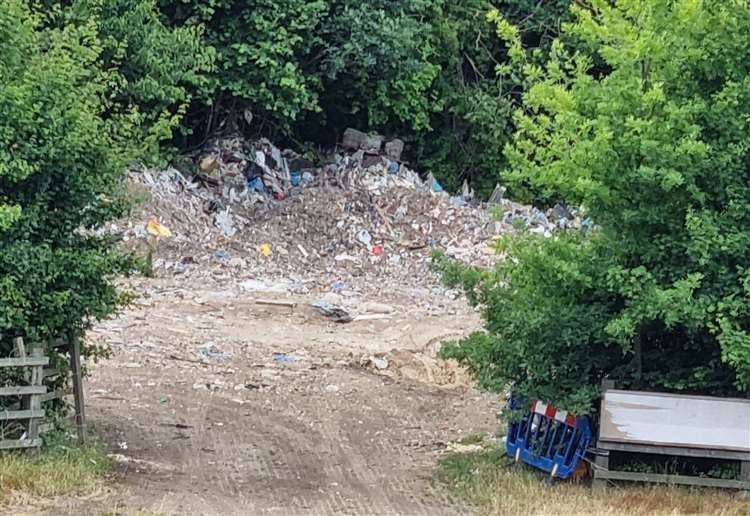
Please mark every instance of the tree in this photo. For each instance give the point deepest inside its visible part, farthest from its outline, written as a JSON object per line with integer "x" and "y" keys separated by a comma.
{"x": 62, "y": 158}
{"x": 154, "y": 70}
{"x": 646, "y": 126}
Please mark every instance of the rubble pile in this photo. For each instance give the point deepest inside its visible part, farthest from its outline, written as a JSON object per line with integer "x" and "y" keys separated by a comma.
{"x": 365, "y": 221}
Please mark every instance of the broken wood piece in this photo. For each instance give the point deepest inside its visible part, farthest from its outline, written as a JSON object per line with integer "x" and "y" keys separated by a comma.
{"x": 371, "y": 317}
{"x": 272, "y": 302}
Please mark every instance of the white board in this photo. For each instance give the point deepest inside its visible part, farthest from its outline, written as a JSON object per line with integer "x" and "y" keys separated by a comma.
{"x": 675, "y": 420}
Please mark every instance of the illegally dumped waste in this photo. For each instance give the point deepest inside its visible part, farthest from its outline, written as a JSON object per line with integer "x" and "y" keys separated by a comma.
{"x": 333, "y": 312}
{"x": 155, "y": 228}
{"x": 362, "y": 222}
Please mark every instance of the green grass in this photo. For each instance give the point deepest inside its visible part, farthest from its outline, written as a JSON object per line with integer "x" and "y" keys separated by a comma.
{"x": 61, "y": 468}
{"x": 496, "y": 487}
{"x": 477, "y": 438}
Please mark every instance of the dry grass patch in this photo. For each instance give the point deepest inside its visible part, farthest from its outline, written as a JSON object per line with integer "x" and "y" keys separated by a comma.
{"x": 62, "y": 468}
{"x": 497, "y": 487}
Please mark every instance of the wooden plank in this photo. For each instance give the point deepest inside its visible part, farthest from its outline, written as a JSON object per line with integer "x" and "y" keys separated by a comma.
{"x": 37, "y": 351}
{"x": 21, "y": 414}
{"x": 23, "y": 443}
{"x": 54, "y": 395}
{"x": 24, "y": 362}
{"x": 674, "y": 450}
{"x": 49, "y": 372}
{"x": 22, "y": 390}
{"x": 77, "y": 377}
{"x": 675, "y": 420}
{"x": 20, "y": 349}
{"x": 745, "y": 477}
{"x": 272, "y": 302}
{"x": 601, "y": 463}
{"x": 46, "y": 427}
{"x": 673, "y": 479}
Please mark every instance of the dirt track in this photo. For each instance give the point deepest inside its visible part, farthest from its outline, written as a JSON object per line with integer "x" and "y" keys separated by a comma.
{"x": 235, "y": 429}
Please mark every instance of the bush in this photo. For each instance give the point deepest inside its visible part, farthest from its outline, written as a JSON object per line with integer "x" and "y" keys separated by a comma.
{"x": 423, "y": 70}
{"x": 153, "y": 70}
{"x": 61, "y": 164}
{"x": 265, "y": 58}
{"x": 656, "y": 149}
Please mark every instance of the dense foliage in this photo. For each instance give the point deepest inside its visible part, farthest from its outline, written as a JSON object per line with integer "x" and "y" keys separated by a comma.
{"x": 154, "y": 71}
{"x": 422, "y": 70}
{"x": 656, "y": 149}
{"x": 61, "y": 160}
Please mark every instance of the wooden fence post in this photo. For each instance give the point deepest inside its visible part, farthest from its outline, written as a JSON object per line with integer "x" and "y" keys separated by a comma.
{"x": 601, "y": 460}
{"x": 35, "y": 379}
{"x": 75, "y": 369}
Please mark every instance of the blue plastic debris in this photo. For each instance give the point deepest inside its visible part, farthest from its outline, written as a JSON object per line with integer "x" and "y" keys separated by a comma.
{"x": 296, "y": 178}
{"x": 436, "y": 187}
{"x": 257, "y": 185}
{"x": 393, "y": 167}
{"x": 548, "y": 439}
{"x": 284, "y": 358}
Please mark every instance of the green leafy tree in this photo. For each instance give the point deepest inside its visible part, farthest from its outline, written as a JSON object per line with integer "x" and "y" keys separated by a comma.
{"x": 467, "y": 136}
{"x": 379, "y": 63}
{"x": 62, "y": 157}
{"x": 264, "y": 61}
{"x": 656, "y": 150}
{"x": 154, "y": 70}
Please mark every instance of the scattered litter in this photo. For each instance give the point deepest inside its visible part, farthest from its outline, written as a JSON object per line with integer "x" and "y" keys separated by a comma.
{"x": 380, "y": 363}
{"x": 211, "y": 352}
{"x": 265, "y": 250}
{"x": 333, "y": 312}
{"x": 365, "y": 238}
{"x": 284, "y": 358}
{"x": 225, "y": 222}
{"x": 155, "y": 228}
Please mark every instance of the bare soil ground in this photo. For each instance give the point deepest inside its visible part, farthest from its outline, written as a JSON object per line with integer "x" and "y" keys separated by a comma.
{"x": 213, "y": 404}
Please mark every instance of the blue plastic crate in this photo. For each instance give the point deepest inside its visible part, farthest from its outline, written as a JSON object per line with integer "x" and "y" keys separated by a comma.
{"x": 549, "y": 439}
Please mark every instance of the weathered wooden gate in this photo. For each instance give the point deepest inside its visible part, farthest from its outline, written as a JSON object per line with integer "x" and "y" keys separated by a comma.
{"x": 23, "y": 407}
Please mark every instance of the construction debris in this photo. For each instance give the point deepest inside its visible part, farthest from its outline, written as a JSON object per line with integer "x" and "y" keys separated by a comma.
{"x": 364, "y": 220}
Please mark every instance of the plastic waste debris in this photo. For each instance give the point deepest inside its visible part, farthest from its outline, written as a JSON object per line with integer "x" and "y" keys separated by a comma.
{"x": 155, "y": 228}
{"x": 284, "y": 358}
{"x": 333, "y": 312}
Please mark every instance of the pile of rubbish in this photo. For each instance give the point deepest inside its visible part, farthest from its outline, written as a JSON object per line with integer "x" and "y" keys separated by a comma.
{"x": 273, "y": 213}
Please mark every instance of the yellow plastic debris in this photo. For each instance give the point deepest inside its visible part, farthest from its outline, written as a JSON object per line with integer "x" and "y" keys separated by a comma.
{"x": 154, "y": 227}
{"x": 265, "y": 250}
{"x": 209, "y": 164}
